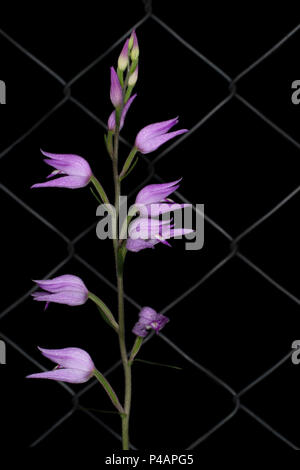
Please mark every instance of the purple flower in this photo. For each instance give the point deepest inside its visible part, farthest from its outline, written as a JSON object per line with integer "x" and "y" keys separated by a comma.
{"x": 112, "y": 118}
{"x": 153, "y": 200}
{"x": 74, "y": 365}
{"x": 146, "y": 233}
{"x": 153, "y": 136}
{"x": 76, "y": 168}
{"x": 149, "y": 319}
{"x": 66, "y": 289}
{"x": 116, "y": 93}
{"x": 123, "y": 57}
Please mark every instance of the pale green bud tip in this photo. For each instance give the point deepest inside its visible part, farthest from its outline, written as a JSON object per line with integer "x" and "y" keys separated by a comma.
{"x": 133, "y": 77}
{"x": 123, "y": 58}
{"x": 134, "y": 46}
{"x": 130, "y": 43}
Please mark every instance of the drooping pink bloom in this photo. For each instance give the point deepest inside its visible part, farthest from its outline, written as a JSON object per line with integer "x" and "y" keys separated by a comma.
{"x": 153, "y": 200}
{"x": 112, "y": 118}
{"x": 76, "y": 168}
{"x": 149, "y": 319}
{"x": 66, "y": 289}
{"x": 151, "y": 137}
{"x": 146, "y": 233}
{"x": 74, "y": 365}
{"x": 116, "y": 93}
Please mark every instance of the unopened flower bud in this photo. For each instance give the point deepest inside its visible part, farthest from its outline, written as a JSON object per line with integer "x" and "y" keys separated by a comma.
{"x": 116, "y": 94}
{"x": 134, "y": 47}
{"x": 123, "y": 58}
{"x": 133, "y": 77}
{"x": 130, "y": 43}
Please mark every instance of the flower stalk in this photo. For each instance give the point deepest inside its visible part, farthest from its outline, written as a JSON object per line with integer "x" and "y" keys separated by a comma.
{"x": 119, "y": 273}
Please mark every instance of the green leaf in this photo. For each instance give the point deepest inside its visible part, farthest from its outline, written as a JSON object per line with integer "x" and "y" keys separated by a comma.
{"x": 130, "y": 169}
{"x": 157, "y": 364}
{"x": 123, "y": 233}
{"x": 105, "y": 311}
{"x": 128, "y": 93}
{"x": 104, "y": 316}
{"x": 136, "y": 347}
{"x": 108, "y": 143}
{"x": 95, "y": 196}
{"x": 100, "y": 189}
{"x": 128, "y": 162}
{"x": 95, "y": 410}
{"x": 109, "y": 390}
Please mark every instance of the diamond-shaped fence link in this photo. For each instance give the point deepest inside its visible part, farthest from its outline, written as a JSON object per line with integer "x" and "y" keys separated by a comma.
{"x": 233, "y": 242}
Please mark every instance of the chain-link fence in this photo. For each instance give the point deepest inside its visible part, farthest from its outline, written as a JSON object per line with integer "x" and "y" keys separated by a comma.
{"x": 233, "y": 242}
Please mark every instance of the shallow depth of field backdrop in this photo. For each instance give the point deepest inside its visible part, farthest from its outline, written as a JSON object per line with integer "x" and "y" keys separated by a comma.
{"x": 234, "y": 305}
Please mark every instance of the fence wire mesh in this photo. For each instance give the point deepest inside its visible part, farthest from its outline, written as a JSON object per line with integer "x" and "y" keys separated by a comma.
{"x": 233, "y": 242}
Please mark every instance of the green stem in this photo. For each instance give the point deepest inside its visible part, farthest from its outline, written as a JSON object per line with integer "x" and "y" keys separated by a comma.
{"x": 119, "y": 273}
{"x": 126, "y": 365}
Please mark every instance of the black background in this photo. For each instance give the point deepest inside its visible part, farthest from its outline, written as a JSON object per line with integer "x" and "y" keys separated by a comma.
{"x": 236, "y": 323}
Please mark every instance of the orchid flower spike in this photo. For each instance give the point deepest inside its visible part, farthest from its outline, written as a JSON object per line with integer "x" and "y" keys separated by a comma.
{"x": 149, "y": 319}
{"x": 74, "y": 365}
{"x": 153, "y": 200}
{"x": 66, "y": 289}
{"x": 146, "y": 233}
{"x": 116, "y": 93}
{"x": 76, "y": 168}
{"x": 151, "y": 137}
{"x": 112, "y": 118}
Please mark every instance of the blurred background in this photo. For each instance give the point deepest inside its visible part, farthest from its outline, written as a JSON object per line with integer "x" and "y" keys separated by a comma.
{"x": 234, "y": 304}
